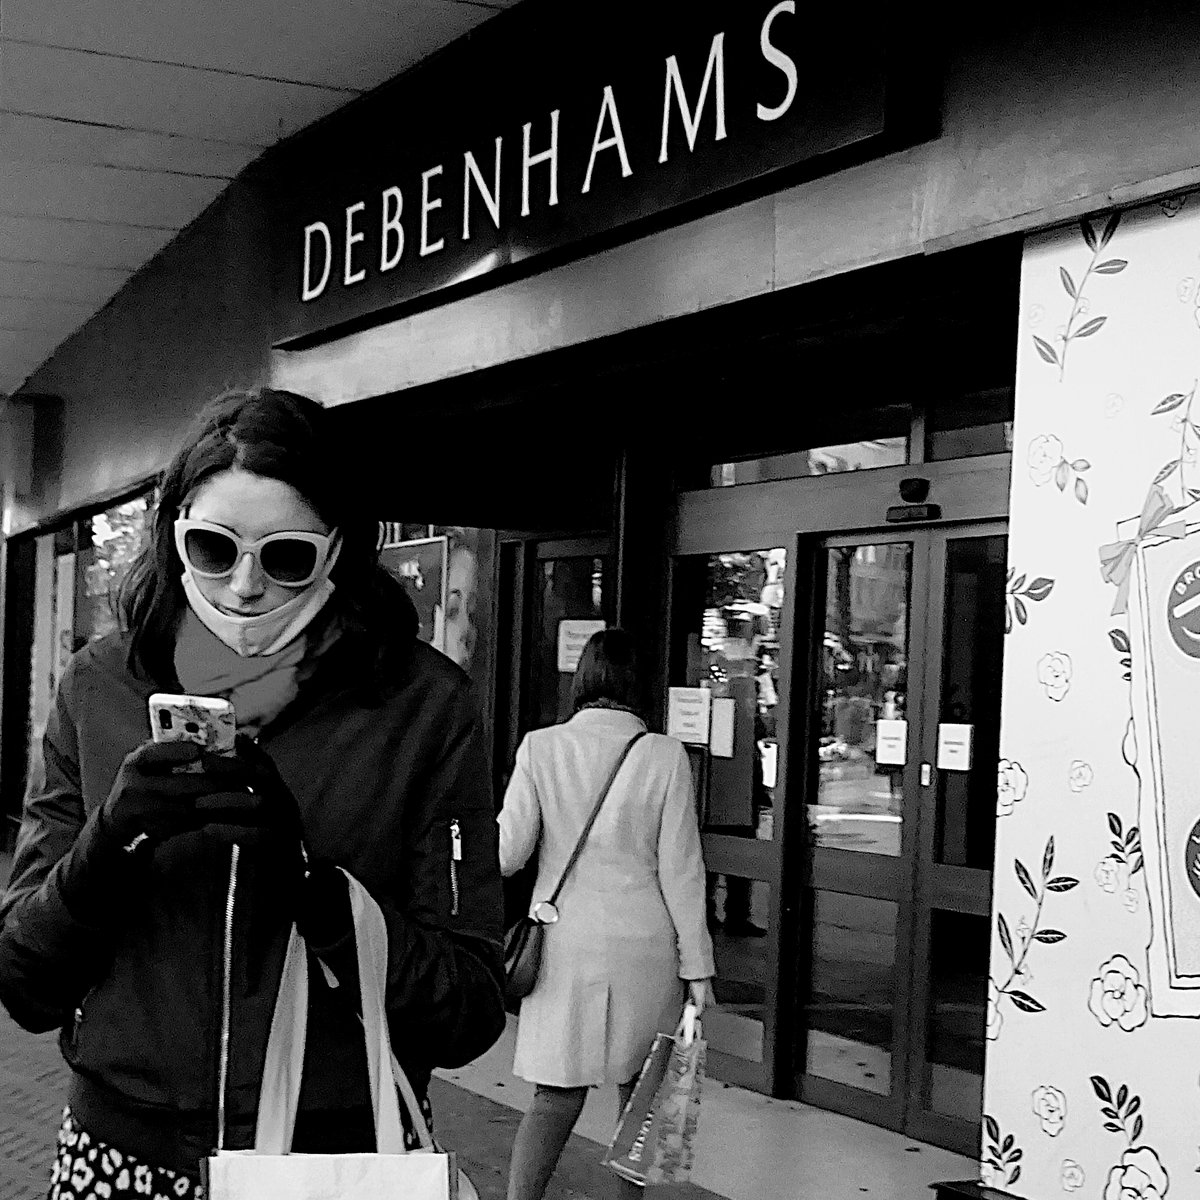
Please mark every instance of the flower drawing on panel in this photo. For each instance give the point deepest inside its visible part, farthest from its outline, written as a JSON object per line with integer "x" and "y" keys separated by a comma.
{"x": 1110, "y": 875}
{"x": 1139, "y": 1175}
{"x": 1076, "y": 327}
{"x": 1050, "y": 1108}
{"x": 1048, "y": 462}
{"x": 1045, "y": 453}
{"x": 1117, "y": 995}
{"x": 1071, "y": 1176}
{"x": 1054, "y": 674}
{"x": 1012, "y": 784}
{"x": 1080, "y": 776}
{"x": 1184, "y": 457}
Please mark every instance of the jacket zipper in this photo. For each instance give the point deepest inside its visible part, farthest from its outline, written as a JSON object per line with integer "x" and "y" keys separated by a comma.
{"x": 455, "y": 859}
{"x": 226, "y": 987}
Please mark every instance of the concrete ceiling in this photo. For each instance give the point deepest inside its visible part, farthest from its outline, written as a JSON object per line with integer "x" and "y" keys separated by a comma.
{"x": 120, "y": 120}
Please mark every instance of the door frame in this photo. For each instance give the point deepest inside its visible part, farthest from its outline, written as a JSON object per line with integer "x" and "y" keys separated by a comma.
{"x": 790, "y": 513}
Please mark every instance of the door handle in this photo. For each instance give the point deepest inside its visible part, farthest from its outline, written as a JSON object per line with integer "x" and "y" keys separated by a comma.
{"x": 926, "y": 774}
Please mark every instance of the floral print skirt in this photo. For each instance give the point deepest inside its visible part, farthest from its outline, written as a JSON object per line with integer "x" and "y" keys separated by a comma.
{"x": 86, "y": 1169}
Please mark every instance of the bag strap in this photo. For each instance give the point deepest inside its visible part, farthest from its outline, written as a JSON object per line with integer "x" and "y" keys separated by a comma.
{"x": 637, "y": 737}
{"x": 284, "y": 1061}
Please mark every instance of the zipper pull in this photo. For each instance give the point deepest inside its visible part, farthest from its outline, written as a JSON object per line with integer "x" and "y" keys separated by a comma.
{"x": 455, "y": 841}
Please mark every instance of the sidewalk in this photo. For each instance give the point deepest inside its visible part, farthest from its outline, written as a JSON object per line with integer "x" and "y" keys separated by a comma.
{"x": 750, "y": 1147}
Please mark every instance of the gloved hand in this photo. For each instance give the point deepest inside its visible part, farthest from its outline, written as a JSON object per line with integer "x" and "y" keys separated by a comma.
{"x": 248, "y": 801}
{"x": 149, "y": 802}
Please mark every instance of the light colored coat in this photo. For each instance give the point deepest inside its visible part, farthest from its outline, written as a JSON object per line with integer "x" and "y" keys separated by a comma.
{"x": 631, "y": 922}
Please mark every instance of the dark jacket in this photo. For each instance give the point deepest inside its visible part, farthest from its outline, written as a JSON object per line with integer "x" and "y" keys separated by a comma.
{"x": 138, "y": 988}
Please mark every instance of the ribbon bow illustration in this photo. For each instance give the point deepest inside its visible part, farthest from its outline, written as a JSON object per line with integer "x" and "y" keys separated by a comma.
{"x": 1116, "y": 559}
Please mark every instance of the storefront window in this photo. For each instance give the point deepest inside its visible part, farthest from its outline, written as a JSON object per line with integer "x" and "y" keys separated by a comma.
{"x": 865, "y": 681}
{"x": 733, "y": 650}
{"x": 115, "y": 537}
{"x": 978, "y": 424}
{"x": 820, "y": 460}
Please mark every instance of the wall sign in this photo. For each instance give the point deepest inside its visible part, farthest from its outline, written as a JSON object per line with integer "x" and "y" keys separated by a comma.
{"x": 891, "y": 743}
{"x": 540, "y": 131}
{"x": 688, "y": 711}
{"x": 572, "y": 637}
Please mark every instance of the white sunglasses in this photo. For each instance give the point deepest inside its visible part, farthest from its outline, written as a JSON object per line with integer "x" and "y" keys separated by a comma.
{"x": 291, "y": 558}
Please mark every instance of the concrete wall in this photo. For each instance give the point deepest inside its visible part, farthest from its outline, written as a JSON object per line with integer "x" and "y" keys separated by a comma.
{"x": 194, "y": 321}
{"x": 1040, "y": 125}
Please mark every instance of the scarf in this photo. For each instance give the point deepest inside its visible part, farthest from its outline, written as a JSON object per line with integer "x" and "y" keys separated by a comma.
{"x": 259, "y": 687}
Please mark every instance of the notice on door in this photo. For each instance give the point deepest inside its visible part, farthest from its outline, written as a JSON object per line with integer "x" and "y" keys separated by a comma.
{"x": 572, "y": 637}
{"x": 688, "y": 712}
{"x": 891, "y": 743}
{"x": 954, "y": 747}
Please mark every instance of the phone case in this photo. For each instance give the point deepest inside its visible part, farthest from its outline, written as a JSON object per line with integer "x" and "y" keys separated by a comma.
{"x": 205, "y": 720}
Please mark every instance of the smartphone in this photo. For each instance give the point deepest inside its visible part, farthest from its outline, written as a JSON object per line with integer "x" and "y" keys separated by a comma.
{"x": 206, "y": 720}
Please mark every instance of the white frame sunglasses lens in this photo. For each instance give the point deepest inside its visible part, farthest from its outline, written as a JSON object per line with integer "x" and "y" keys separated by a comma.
{"x": 319, "y": 544}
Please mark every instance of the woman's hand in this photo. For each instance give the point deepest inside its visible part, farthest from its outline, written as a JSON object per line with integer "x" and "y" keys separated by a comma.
{"x": 698, "y": 993}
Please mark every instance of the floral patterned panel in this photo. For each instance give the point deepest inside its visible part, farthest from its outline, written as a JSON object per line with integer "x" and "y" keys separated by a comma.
{"x": 1093, "y": 1068}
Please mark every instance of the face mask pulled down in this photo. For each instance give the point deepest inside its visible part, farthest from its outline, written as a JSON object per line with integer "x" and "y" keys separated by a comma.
{"x": 263, "y": 633}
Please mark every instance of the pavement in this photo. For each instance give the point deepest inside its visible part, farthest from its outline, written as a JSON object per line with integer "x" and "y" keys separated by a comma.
{"x": 749, "y": 1146}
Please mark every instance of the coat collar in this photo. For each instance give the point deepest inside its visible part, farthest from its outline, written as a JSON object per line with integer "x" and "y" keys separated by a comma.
{"x": 614, "y": 719}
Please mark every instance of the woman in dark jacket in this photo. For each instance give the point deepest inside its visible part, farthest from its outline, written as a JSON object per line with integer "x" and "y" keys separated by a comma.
{"x": 148, "y": 908}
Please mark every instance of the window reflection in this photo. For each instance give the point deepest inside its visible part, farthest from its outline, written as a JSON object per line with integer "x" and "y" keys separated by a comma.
{"x": 740, "y": 984}
{"x": 819, "y": 460}
{"x": 852, "y": 993}
{"x": 733, "y": 650}
{"x": 116, "y": 538}
{"x": 865, "y": 677}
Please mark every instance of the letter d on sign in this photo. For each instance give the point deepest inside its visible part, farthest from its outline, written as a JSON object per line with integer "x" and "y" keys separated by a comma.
{"x": 309, "y": 290}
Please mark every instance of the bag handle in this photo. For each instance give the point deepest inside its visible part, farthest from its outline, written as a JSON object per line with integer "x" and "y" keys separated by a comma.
{"x": 633, "y": 741}
{"x": 279, "y": 1097}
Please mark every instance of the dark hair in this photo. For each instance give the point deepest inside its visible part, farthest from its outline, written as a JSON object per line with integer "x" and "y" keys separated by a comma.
{"x": 282, "y": 436}
{"x": 609, "y": 672}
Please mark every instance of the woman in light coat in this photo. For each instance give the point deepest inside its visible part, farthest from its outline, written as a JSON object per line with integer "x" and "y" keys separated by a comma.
{"x": 631, "y": 939}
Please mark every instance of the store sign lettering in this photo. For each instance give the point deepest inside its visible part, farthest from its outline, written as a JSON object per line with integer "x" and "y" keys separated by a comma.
{"x": 580, "y": 136}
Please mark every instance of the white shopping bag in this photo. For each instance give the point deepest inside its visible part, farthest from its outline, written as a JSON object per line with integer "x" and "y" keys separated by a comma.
{"x": 270, "y": 1171}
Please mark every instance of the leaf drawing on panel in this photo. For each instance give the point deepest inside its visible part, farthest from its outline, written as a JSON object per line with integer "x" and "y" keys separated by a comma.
{"x": 1096, "y": 243}
{"x": 1016, "y": 946}
{"x": 1001, "y": 1158}
{"x": 1189, "y": 441}
{"x": 1020, "y": 592}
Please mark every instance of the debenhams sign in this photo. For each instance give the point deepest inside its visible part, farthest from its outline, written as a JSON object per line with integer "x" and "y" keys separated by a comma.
{"x": 542, "y": 133}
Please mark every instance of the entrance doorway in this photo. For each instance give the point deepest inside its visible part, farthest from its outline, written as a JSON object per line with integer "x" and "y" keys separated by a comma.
{"x": 852, "y": 819}
{"x": 904, "y": 723}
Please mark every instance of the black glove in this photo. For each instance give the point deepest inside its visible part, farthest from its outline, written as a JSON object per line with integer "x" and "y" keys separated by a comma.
{"x": 248, "y": 801}
{"x": 150, "y": 800}
{"x": 323, "y": 914}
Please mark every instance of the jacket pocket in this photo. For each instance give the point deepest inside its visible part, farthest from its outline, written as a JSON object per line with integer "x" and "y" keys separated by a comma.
{"x": 455, "y": 859}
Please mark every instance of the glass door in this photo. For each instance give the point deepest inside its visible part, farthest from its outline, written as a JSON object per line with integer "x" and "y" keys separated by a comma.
{"x": 903, "y": 736}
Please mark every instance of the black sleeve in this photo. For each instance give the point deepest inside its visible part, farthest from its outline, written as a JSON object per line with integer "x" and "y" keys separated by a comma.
{"x": 49, "y": 956}
{"x": 445, "y": 1000}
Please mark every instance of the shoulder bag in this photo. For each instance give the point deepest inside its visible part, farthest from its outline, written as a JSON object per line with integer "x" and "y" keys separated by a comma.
{"x": 523, "y": 943}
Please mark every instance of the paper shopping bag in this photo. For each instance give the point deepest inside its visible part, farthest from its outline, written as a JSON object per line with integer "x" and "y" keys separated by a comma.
{"x": 631, "y": 1149}
{"x": 270, "y": 1171}
{"x": 654, "y": 1141}
{"x": 677, "y": 1113}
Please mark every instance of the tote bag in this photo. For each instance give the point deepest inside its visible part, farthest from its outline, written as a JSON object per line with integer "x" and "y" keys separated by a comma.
{"x": 270, "y": 1171}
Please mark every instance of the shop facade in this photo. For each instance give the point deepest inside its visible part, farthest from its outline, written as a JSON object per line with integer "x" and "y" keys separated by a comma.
{"x": 736, "y": 344}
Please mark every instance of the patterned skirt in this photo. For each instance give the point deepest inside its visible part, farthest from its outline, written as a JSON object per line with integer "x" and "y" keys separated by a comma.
{"x": 88, "y": 1169}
